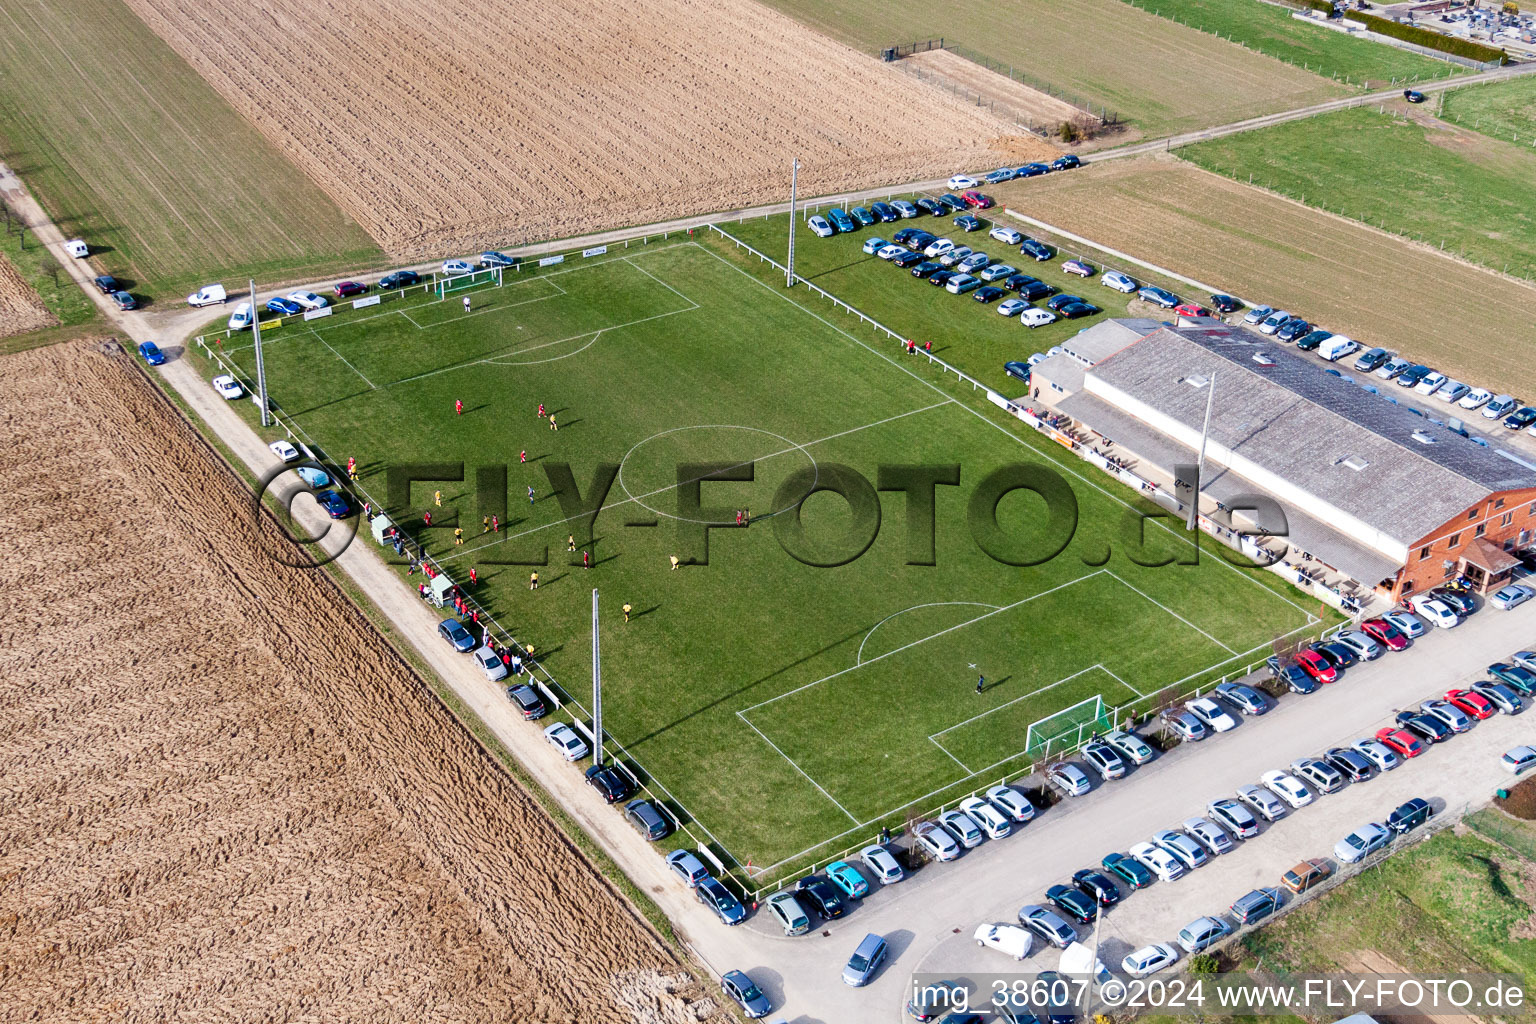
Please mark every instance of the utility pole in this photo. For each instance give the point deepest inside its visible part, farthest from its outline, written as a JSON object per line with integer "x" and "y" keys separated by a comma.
{"x": 794, "y": 176}
{"x": 1205, "y": 433}
{"x": 261, "y": 370}
{"x": 597, "y": 689}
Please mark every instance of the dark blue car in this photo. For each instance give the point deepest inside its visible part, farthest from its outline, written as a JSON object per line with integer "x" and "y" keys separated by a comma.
{"x": 151, "y": 353}
{"x": 718, "y": 898}
{"x": 454, "y": 632}
{"x": 1038, "y": 251}
{"x": 1066, "y": 162}
{"x": 399, "y": 279}
{"x": 334, "y": 504}
{"x": 284, "y": 307}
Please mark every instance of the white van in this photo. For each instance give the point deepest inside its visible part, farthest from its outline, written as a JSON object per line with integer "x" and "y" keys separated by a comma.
{"x": 1337, "y": 347}
{"x": 207, "y": 295}
{"x": 77, "y": 248}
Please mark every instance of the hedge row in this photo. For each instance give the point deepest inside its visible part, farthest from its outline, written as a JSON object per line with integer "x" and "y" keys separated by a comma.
{"x": 1326, "y": 6}
{"x": 1424, "y": 37}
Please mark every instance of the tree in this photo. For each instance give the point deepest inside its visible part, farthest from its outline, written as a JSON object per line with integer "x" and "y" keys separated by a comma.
{"x": 1067, "y": 132}
{"x": 1203, "y": 963}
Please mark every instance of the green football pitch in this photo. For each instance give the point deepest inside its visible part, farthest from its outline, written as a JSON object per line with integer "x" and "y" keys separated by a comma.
{"x": 782, "y": 705}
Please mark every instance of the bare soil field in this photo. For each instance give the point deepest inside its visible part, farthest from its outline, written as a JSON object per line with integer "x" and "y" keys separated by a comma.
{"x": 21, "y": 308}
{"x": 1350, "y": 278}
{"x": 1012, "y": 99}
{"x": 226, "y": 798}
{"x": 480, "y": 122}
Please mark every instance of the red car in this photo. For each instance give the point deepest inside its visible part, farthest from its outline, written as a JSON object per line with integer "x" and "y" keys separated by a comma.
{"x": 1401, "y": 740}
{"x": 1313, "y": 665}
{"x": 1191, "y": 309}
{"x": 349, "y": 288}
{"x": 1474, "y": 704}
{"x": 1383, "y": 632}
{"x": 976, "y": 201}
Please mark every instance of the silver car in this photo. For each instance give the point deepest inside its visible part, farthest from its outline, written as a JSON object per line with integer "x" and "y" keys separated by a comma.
{"x": 1138, "y": 750}
{"x": 1069, "y": 778}
{"x": 1378, "y": 753}
{"x": 1105, "y": 760}
{"x": 1450, "y": 714}
{"x": 1185, "y": 725}
{"x": 1119, "y": 282}
{"x": 1189, "y": 852}
{"x": 490, "y": 663}
{"x": 881, "y": 864}
{"x": 1202, "y": 932}
{"x": 1407, "y": 623}
{"x": 1211, "y": 835}
{"x": 1364, "y": 647}
{"x": 1011, "y": 802}
{"x": 962, "y": 827}
{"x": 1264, "y": 803}
{"x": 1234, "y": 816}
{"x": 1318, "y": 774}
{"x": 1047, "y": 924}
{"x": 937, "y": 841}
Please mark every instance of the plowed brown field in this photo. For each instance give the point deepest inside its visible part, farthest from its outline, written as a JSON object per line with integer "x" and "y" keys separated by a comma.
{"x": 21, "y": 308}
{"x": 225, "y": 798}
{"x": 475, "y": 122}
{"x": 1374, "y": 287}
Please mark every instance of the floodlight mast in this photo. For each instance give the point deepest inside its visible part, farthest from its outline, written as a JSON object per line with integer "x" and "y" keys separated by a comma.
{"x": 1205, "y": 433}
{"x": 597, "y": 689}
{"x": 789, "y": 270}
{"x": 261, "y": 369}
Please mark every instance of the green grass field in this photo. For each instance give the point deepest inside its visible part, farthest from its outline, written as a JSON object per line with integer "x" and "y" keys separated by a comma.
{"x": 128, "y": 148}
{"x": 968, "y": 335}
{"x": 1180, "y": 79}
{"x": 1504, "y": 110}
{"x": 1269, "y": 29}
{"x": 1470, "y": 193}
{"x": 782, "y": 704}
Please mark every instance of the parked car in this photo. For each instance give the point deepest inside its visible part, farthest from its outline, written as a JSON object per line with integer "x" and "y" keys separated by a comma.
{"x": 1362, "y": 842}
{"x": 489, "y": 662}
{"x": 1149, "y": 959}
{"x": 1069, "y": 778}
{"x": 881, "y": 864}
{"x": 1047, "y": 924}
{"x": 1203, "y": 932}
{"x": 124, "y": 301}
{"x": 1135, "y": 749}
{"x": 1518, "y": 759}
{"x": 308, "y": 300}
{"x": 1243, "y": 697}
{"x": 1500, "y": 696}
{"x": 241, "y": 318}
{"x": 1379, "y": 754}
{"x": 1077, "y": 268}
{"x": 1209, "y": 835}
{"x": 1075, "y": 903}
{"x": 1032, "y": 170}
{"x": 863, "y": 215}
{"x": 1035, "y": 317}
{"x": 1522, "y": 680}
{"x": 1105, "y": 760}
{"x": 840, "y": 220}
{"x": 967, "y": 222}
{"x": 1295, "y": 678}
{"x": 1160, "y": 862}
{"x": 932, "y": 207}
{"x": 1410, "y": 625}
{"x": 1453, "y": 391}
{"x": 1017, "y": 369}
{"x": 1012, "y": 803}
{"x": 399, "y": 279}
{"x": 1009, "y": 939}
{"x": 1120, "y": 282}
{"x": 1385, "y": 633}
{"x": 1065, "y": 162}
{"x": 905, "y": 208}
{"x": 1184, "y": 725}
{"x": 1372, "y": 359}
{"x": 847, "y": 878}
{"x": 613, "y": 785}
{"x": 987, "y": 817}
{"x": 1273, "y": 322}
{"x": 1314, "y": 665}
{"x": 1291, "y": 790}
{"x": 1255, "y": 905}
{"x": 1471, "y": 703}
{"x": 884, "y": 212}
{"x": 1211, "y": 715}
{"x": 1313, "y": 340}
{"x": 151, "y": 354}
{"x": 646, "y": 816}
{"x": 1191, "y": 309}
{"x": 682, "y": 863}
{"x": 1349, "y": 762}
{"x": 713, "y": 894}
{"x": 1424, "y": 726}
{"x": 491, "y": 258}
{"x": 284, "y": 307}
{"x": 1188, "y": 852}
{"x": 347, "y": 289}
{"x": 820, "y": 226}
{"x": 936, "y": 841}
{"x": 822, "y": 896}
{"x": 208, "y": 295}
{"x": 1038, "y": 251}
{"x": 1318, "y": 774}
{"x": 1510, "y": 596}
{"x": 333, "y": 504}
{"x": 1262, "y": 801}
{"x": 745, "y": 994}
{"x": 960, "y": 825}
{"x": 527, "y": 701}
{"x": 564, "y": 739}
{"x": 1499, "y": 406}
{"x": 1520, "y": 418}
{"x": 453, "y": 631}
{"x": 786, "y": 910}
{"x": 1409, "y": 815}
{"x": 1097, "y": 885}
{"x": 455, "y": 268}
{"x": 1128, "y": 869}
{"x": 1158, "y": 296}
{"x": 1431, "y": 382}
{"x": 962, "y": 181}
{"x": 1306, "y": 874}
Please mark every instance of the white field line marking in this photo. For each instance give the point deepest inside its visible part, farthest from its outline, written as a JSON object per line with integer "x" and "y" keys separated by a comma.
{"x": 659, "y": 281}
{"x": 343, "y": 358}
{"x": 504, "y": 361}
{"x": 403, "y": 312}
{"x": 998, "y": 426}
{"x": 923, "y": 640}
{"x": 1175, "y": 614}
{"x": 797, "y": 768}
{"x": 859, "y": 659}
{"x": 963, "y": 766}
{"x": 1032, "y": 693}
{"x": 470, "y": 549}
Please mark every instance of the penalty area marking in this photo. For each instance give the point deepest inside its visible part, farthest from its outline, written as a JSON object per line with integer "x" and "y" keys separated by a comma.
{"x": 859, "y": 658}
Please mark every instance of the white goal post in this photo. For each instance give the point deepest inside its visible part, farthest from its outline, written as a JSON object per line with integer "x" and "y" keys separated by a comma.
{"x": 1068, "y": 728}
{"x": 490, "y": 276}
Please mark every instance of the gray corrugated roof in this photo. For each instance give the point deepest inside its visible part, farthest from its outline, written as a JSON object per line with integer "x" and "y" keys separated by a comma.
{"x": 1107, "y": 337}
{"x": 1302, "y": 424}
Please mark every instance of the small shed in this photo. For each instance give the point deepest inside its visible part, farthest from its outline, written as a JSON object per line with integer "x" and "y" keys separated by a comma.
{"x": 381, "y": 525}
{"x": 441, "y": 585}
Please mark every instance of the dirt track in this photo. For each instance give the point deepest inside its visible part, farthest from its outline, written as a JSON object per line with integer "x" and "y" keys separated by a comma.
{"x": 478, "y": 122}
{"x": 226, "y": 798}
{"x": 1015, "y": 99}
{"x": 21, "y": 308}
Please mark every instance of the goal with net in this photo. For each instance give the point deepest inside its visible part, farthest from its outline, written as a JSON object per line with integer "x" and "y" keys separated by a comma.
{"x": 489, "y": 277}
{"x": 1068, "y": 728}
